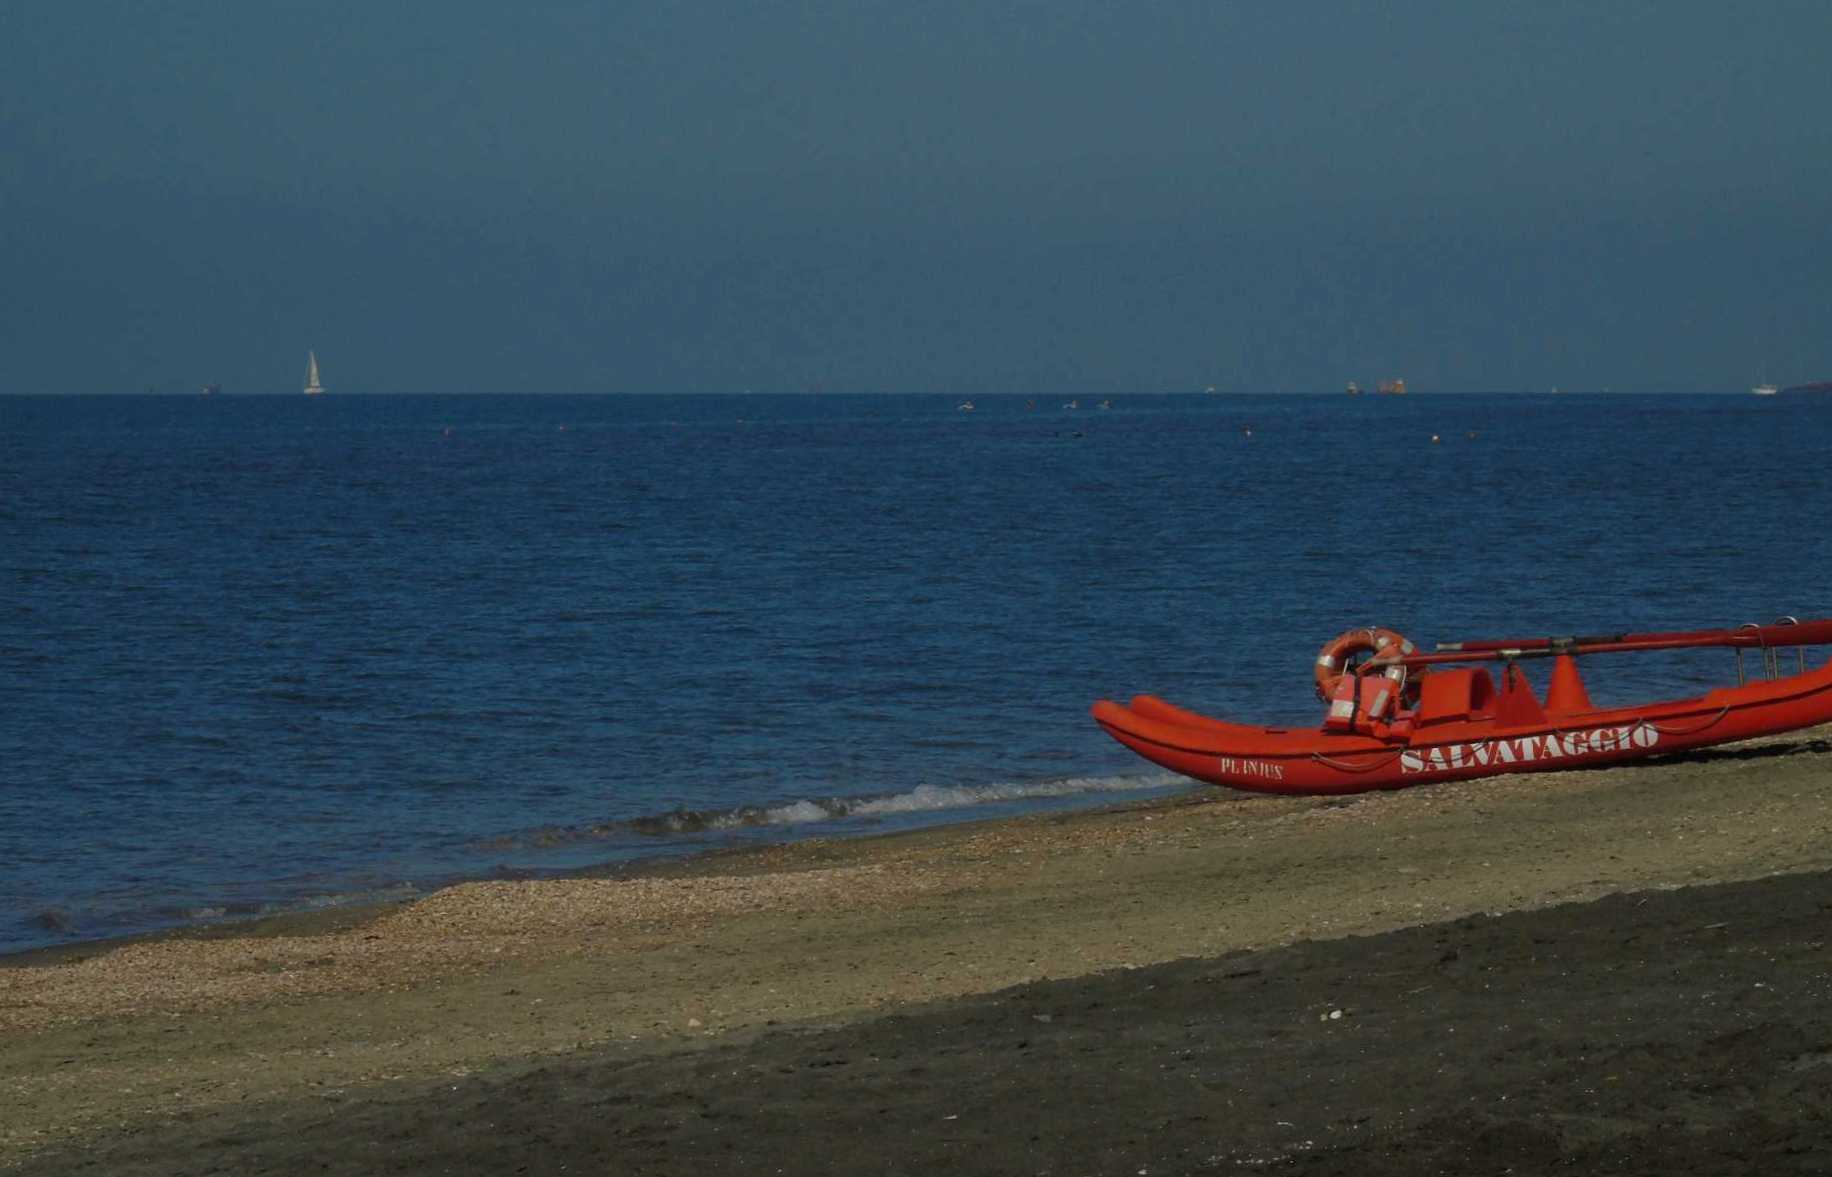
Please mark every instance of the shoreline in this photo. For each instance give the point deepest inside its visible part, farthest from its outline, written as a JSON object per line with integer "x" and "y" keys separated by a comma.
{"x": 484, "y": 982}
{"x": 334, "y": 911}
{"x": 335, "y": 917}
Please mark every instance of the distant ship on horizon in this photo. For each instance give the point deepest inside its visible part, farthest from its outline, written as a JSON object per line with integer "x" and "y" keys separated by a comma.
{"x": 312, "y": 386}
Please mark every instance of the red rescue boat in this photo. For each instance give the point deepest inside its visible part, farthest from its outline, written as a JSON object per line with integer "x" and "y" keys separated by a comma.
{"x": 1399, "y": 717}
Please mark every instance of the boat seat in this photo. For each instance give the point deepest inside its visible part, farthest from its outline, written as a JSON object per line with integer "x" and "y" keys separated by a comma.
{"x": 1454, "y": 694}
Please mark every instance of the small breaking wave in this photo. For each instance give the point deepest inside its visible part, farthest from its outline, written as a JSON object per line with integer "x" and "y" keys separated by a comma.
{"x": 58, "y": 923}
{"x": 922, "y": 799}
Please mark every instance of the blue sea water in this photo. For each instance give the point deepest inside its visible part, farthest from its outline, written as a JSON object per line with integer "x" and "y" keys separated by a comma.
{"x": 264, "y": 652}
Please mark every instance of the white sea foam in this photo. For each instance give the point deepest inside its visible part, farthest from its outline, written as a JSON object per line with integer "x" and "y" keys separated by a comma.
{"x": 796, "y": 813}
{"x": 388, "y": 894}
{"x": 923, "y": 799}
{"x": 930, "y": 797}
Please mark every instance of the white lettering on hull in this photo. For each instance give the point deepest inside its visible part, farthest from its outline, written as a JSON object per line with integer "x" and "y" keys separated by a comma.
{"x": 1530, "y": 749}
{"x": 1251, "y": 768}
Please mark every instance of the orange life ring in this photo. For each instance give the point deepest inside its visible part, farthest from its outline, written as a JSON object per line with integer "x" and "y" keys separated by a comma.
{"x": 1333, "y": 659}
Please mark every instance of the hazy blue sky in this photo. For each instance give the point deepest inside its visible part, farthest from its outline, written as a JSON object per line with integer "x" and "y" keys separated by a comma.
{"x": 954, "y": 195}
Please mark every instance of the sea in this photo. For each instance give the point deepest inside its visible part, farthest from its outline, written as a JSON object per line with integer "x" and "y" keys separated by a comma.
{"x": 263, "y": 653}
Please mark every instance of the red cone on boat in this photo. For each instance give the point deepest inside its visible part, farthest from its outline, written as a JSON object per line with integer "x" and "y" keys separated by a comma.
{"x": 1566, "y": 695}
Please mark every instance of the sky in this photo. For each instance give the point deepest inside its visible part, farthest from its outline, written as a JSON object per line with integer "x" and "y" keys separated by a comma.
{"x": 959, "y": 196}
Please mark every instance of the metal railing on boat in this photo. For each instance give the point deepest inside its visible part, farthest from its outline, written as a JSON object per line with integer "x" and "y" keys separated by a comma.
{"x": 1771, "y": 655}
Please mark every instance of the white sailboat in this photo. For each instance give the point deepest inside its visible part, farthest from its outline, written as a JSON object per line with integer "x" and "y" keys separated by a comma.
{"x": 312, "y": 387}
{"x": 1762, "y": 386}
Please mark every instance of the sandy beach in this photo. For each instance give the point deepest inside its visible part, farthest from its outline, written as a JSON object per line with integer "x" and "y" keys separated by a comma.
{"x": 1623, "y": 970}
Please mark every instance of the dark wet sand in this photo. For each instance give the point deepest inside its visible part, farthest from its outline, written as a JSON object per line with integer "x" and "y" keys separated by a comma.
{"x": 1679, "y": 1024}
{"x": 1683, "y": 1031}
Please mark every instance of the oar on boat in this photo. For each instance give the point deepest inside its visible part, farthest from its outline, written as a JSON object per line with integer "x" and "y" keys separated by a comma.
{"x": 1787, "y": 632}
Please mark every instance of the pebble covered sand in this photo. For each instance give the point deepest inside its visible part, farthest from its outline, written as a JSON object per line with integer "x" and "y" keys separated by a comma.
{"x": 461, "y": 928}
